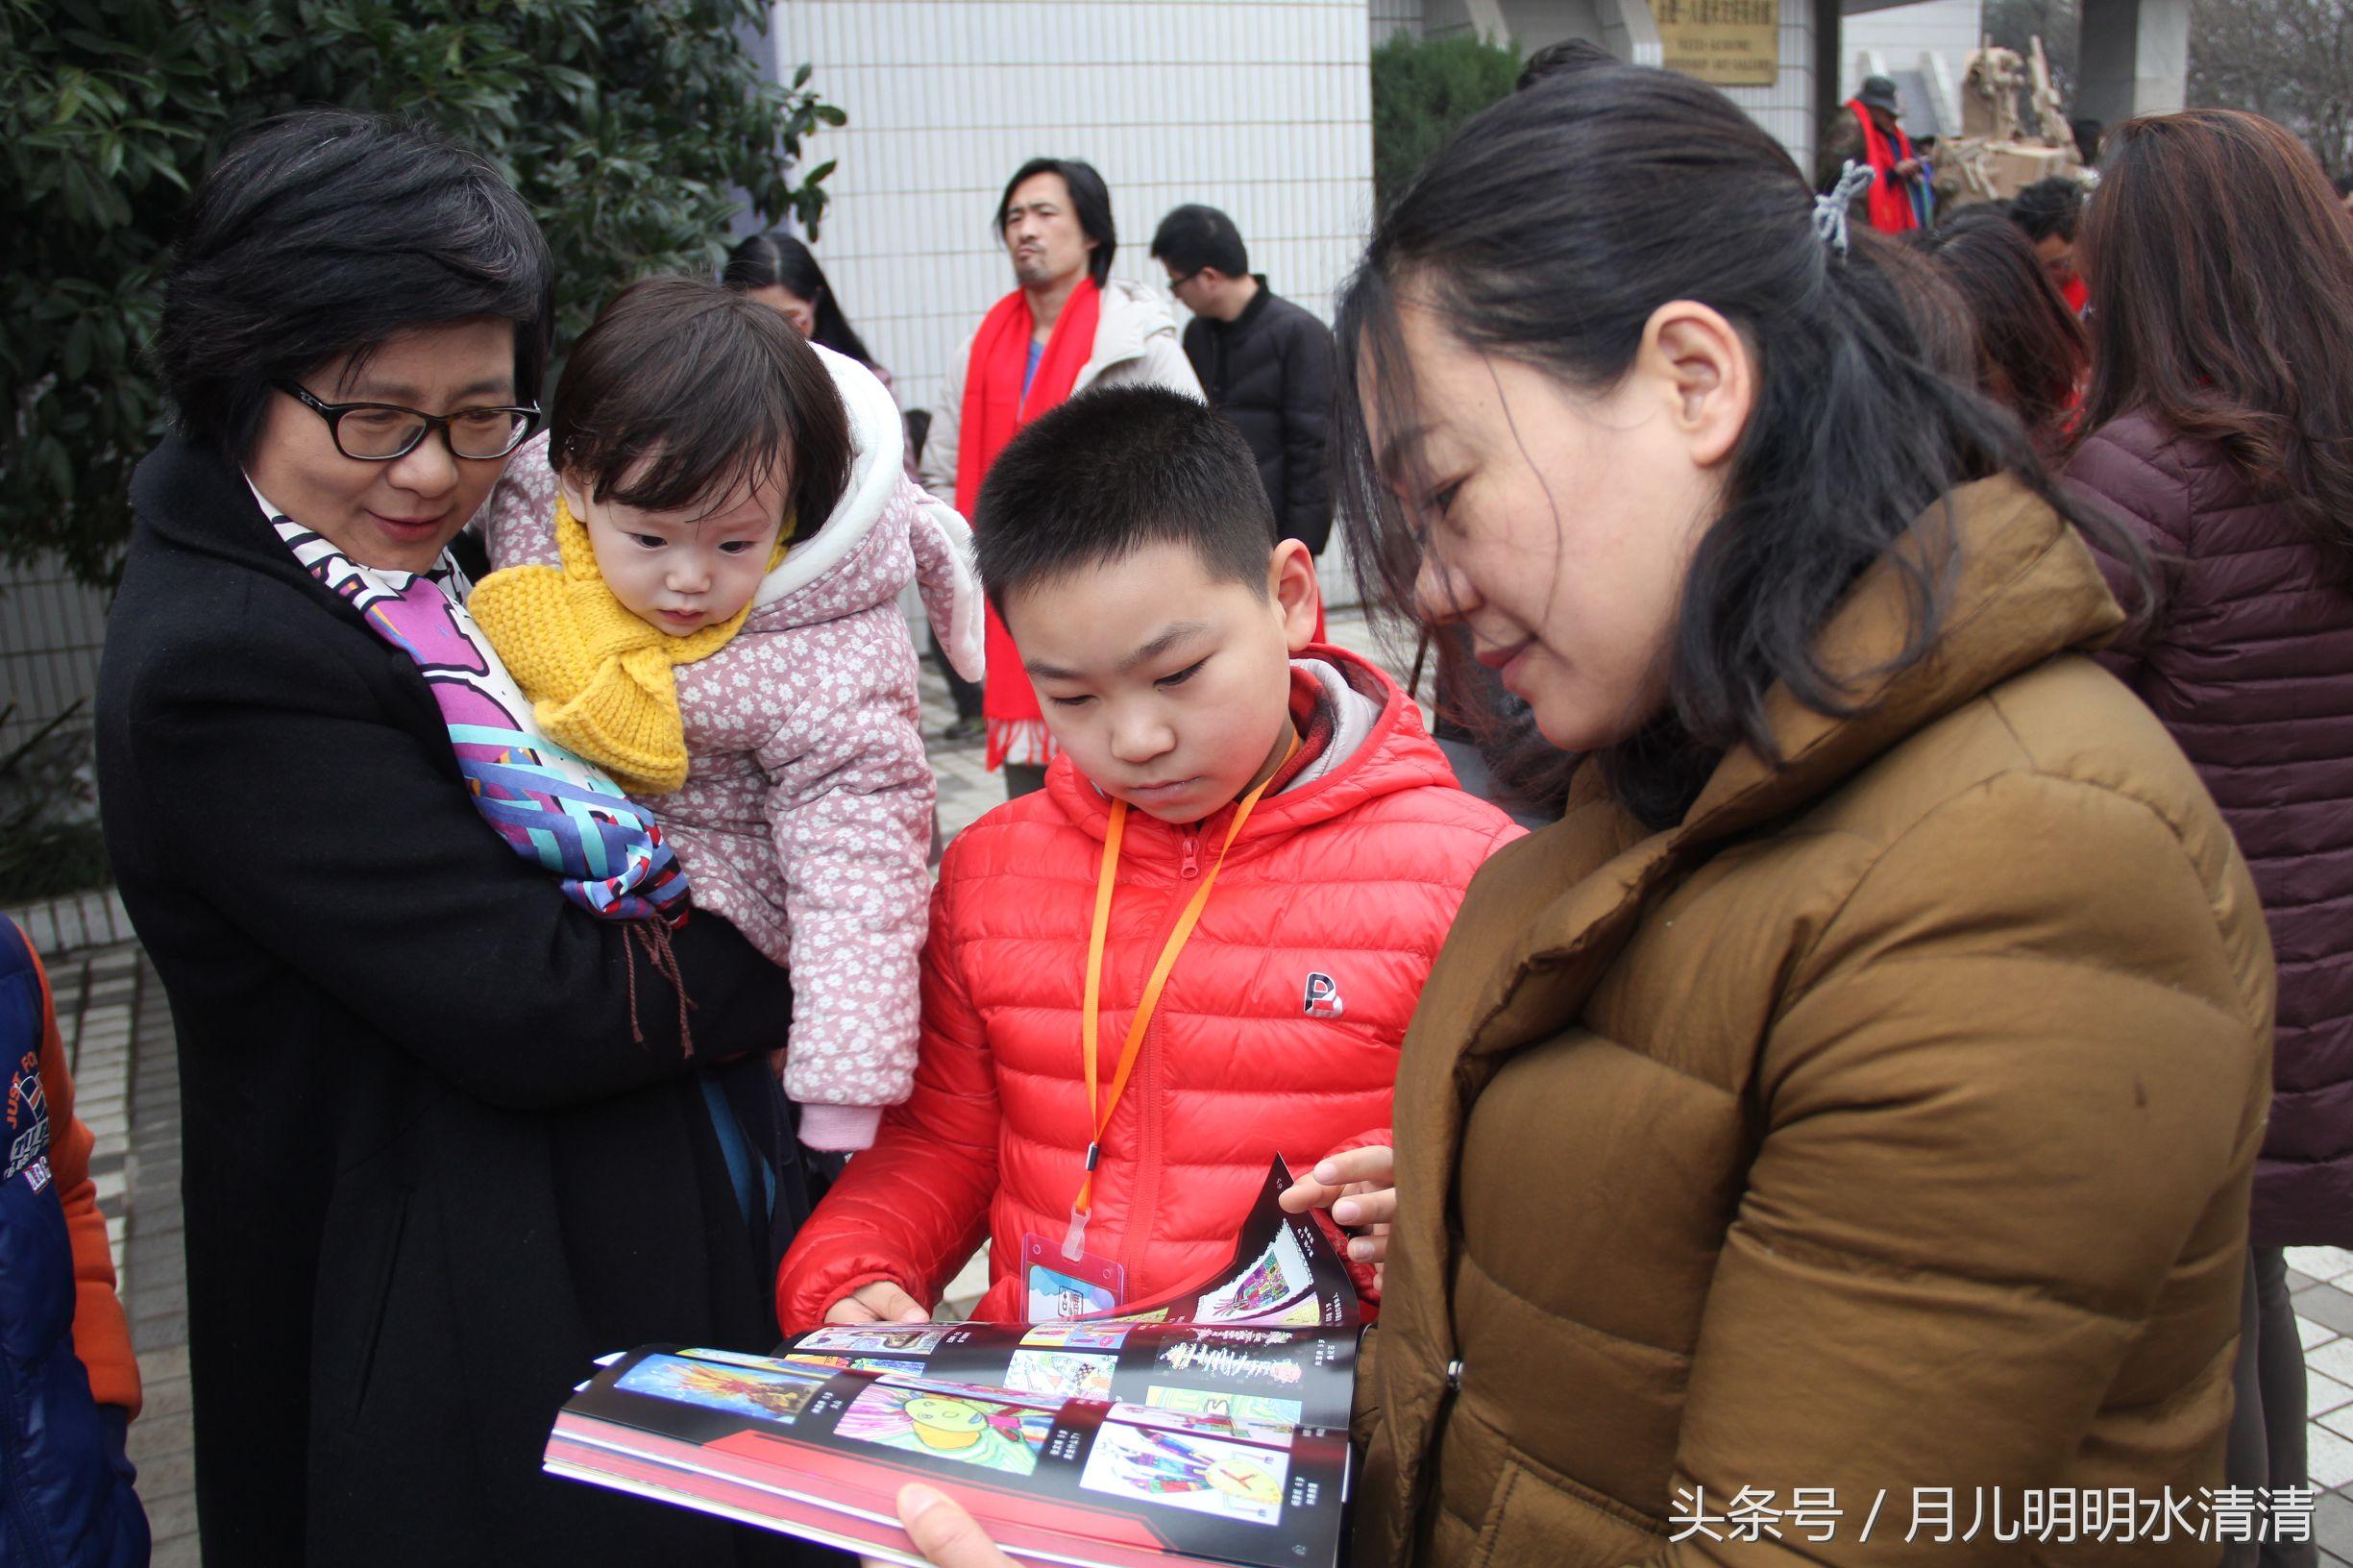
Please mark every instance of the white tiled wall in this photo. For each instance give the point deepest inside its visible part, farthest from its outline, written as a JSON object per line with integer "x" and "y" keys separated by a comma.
{"x": 1393, "y": 16}
{"x": 1786, "y": 108}
{"x": 1259, "y": 106}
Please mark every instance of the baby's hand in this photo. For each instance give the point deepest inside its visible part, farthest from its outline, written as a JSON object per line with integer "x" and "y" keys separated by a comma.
{"x": 881, "y": 1302}
{"x": 1359, "y": 1188}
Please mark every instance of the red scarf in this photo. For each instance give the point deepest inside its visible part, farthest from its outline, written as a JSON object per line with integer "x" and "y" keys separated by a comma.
{"x": 1890, "y": 203}
{"x": 994, "y": 408}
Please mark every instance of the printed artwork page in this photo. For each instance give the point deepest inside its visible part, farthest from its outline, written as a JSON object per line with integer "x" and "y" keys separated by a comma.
{"x": 1208, "y": 1426}
{"x": 1285, "y": 1377}
{"x": 1190, "y": 1472}
{"x": 1284, "y": 1272}
{"x": 1276, "y": 1324}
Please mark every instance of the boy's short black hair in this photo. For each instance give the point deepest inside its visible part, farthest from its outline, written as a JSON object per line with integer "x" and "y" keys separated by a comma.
{"x": 324, "y": 233}
{"x": 2049, "y": 207}
{"x": 684, "y": 391}
{"x": 1111, "y": 472}
{"x": 1194, "y": 237}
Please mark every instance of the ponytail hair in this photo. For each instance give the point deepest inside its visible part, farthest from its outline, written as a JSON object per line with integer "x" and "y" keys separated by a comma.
{"x": 1656, "y": 188}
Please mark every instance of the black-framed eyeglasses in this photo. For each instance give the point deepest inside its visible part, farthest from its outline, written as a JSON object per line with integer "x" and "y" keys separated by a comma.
{"x": 377, "y": 432}
{"x": 1182, "y": 279}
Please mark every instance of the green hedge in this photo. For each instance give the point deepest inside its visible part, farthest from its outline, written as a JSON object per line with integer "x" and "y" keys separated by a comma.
{"x": 1422, "y": 90}
{"x": 629, "y": 126}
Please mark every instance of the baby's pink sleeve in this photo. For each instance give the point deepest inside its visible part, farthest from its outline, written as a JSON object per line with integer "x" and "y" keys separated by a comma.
{"x": 518, "y": 521}
{"x": 849, "y": 813}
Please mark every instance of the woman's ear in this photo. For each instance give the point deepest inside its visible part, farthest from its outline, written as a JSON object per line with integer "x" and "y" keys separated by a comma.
{"x": 1290, "y": 582}
{"x": 1705, "y": 367}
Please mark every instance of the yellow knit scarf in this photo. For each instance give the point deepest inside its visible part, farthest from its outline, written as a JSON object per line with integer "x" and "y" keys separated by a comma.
{"x": 601, "y": 681}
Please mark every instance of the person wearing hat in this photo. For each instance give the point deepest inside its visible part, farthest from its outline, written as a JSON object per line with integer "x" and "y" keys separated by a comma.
{"x": 1866, "y": 130}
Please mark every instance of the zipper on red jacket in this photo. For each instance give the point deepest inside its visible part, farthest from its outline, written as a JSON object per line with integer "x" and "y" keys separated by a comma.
{"x": 1191, "y": 865}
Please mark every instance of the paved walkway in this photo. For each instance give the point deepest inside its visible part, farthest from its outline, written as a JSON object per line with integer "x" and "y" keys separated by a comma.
{"x": 117, "y": 1032}
{"x": 118, "y": 1039}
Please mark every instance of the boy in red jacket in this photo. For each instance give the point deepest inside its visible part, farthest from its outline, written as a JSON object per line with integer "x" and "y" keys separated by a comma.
{"x": 1244, "y": 859}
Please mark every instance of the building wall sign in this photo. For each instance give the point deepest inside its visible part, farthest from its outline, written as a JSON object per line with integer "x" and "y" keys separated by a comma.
{"x": 1730, "y": 44}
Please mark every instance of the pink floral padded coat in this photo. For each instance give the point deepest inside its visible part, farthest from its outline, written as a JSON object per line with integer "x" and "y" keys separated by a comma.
{"x": 805, "y": 820}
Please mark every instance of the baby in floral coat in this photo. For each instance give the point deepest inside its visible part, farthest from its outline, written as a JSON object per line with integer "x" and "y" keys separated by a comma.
{"x": 666, "y": 601}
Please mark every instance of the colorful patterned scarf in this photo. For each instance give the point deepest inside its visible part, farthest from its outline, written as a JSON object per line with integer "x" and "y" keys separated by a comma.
{"x": 552, "y": 808}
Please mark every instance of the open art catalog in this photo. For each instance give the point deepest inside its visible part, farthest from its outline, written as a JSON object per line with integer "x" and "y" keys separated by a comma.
{"x": 1210, "y": 1425}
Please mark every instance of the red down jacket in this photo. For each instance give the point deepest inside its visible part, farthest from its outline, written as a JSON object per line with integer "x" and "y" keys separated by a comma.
{"x": 2249, "y": 662}
{"x": 1353, "y": 875}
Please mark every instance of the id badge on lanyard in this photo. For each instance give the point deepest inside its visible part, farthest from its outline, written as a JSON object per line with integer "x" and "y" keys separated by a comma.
{"x": 1060, "y": 1287}
{"x": 1066, "y": 1277}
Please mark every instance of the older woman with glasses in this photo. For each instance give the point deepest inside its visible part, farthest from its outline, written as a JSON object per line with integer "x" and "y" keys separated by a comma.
{"x": 466, "y": 1100}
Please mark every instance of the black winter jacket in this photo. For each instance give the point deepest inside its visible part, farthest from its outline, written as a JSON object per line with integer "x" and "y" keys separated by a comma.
{"x": 1269, "y": 371}
{"x": 427, "y": 1173}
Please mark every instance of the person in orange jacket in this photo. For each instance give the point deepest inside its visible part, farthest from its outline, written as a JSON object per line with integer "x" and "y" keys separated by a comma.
{"x": 1250, "y": 832}
{"x": 69, "y": 1385}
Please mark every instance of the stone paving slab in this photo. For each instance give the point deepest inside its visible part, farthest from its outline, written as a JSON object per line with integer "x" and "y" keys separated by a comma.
{"x": 117, "y": 1032}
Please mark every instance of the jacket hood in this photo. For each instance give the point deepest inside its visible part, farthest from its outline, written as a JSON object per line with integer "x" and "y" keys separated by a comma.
{"x": 883, "y": 533}
{"x": 1131, "y": 314}
{"x": 878, "y": 444}
{"x": 1394, "y": 753}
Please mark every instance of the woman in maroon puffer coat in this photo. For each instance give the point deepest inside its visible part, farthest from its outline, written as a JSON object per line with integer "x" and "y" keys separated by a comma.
{"x": 2221, "y": 408}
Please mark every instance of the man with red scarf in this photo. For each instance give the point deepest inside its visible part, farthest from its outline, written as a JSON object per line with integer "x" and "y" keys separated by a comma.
{"x": 1866, "y": 130}
{"x": 1068, "y": 326}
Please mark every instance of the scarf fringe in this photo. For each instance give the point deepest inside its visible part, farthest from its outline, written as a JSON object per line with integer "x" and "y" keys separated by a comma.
{"x": 654, "y": 936}
{"x": 1021, "y": 742}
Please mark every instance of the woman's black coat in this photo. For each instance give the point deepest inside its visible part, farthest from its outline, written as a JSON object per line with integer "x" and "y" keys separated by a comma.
{"x": 429, "y": 1173}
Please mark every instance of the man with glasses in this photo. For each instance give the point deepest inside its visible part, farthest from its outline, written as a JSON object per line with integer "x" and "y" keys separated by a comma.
{"x": 1265, "y": 363}
{"x": 1067, "y": 325}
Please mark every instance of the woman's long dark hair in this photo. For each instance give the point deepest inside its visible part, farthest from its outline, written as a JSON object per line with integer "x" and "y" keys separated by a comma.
{"x": 771, "y": 261}
{"x": 2222, "y": 268}
{"x": 1546, "y": 231}
{"x": 2030, "y": 349}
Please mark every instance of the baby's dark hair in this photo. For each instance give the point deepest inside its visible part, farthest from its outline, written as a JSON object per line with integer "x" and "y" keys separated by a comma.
{"x": 1111, "y": 472}
{"x": 681, "y": 392}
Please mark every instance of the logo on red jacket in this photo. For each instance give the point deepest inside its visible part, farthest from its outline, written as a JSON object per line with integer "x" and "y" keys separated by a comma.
{"x": 1323, "y": 998}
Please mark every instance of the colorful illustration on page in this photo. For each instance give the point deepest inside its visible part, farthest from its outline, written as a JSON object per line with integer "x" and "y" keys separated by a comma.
{"x": 1186, "y": 1470}
{"x": 1279, "y": 1273}
{"x": 1060, "y": 1374}
{"x": 1250, "y": 1412}
{"x": 859, "y": 1363}
{"x": 1006, "y": 1437}
{"x": 741, "y": 1390}
{"x": 1077, "y": 1335}
{"x": 876, "y": 1340}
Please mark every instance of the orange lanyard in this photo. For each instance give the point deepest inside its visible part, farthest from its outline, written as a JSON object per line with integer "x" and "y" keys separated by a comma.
{"x": 1074, "y": 1246}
